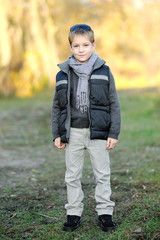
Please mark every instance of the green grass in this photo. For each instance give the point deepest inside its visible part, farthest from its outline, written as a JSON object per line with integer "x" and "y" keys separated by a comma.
{"x": 33, "y": 192}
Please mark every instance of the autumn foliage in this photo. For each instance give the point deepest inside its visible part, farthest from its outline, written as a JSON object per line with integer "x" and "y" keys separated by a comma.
{"x": 34, "y": 36}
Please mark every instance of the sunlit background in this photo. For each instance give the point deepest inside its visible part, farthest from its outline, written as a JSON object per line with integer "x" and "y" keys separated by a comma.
{"x": 34, "y": 38}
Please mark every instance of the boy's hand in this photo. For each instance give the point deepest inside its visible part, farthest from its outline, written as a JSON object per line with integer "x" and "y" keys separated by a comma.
{"x": 111, "y": 143}
{"x": 58, "y": 143}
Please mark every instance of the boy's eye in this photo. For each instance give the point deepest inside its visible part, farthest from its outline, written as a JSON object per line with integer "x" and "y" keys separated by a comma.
{"x": 86, "y": 45}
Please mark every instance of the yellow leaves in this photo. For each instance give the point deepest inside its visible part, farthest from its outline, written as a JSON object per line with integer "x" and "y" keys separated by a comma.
{"x": 34, "y": 36}
{"x": 29, "y": 79}
{"x": 128, "y": 83}
{"x": 5, "y": 48}
{"x": 128, "y": 37}
{"x": 22, "y": 84}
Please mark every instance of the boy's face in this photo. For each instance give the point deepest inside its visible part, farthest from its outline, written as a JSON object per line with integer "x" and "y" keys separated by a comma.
{"x": 82, "y": 48}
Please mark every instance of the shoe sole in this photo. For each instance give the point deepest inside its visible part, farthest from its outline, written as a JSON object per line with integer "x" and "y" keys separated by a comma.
{"x": 71, "y": 229}
{"x": 106, "y": 229}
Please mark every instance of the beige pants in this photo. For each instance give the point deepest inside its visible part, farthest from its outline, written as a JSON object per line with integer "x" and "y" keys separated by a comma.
{"x": 74, "y": 157}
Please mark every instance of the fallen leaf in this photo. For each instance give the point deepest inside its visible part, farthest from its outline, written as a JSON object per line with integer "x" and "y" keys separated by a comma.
{"x": 138, "y": 230}
{"x": 136, "y": 195}
{"x": 144, "y": 187}
{"x": 13, "y": 195}
{"x": 51, "y": 206}
{"x": 78, "y": 238}
{"x": 91, "y": 196}
{"x": 33, "y": 179}
{"x": 13, "y": 215}
{"x": 43, "y": 215}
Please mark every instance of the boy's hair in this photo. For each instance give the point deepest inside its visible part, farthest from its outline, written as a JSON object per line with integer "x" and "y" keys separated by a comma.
{"x": 81, "y": 29}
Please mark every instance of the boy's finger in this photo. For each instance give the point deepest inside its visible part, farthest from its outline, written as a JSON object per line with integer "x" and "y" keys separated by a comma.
{"x": 108, "y": 143}
{"x": 63, "y": 145}
{"x": 57, "y": 142}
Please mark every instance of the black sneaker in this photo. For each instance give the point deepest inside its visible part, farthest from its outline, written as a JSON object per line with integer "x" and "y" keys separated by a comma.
{"x": 105, "y": 222}
{"x": 73, "y": 222}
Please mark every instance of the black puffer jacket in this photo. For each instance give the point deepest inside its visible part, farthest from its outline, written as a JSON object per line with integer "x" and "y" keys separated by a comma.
{"x": 104, "y": 110}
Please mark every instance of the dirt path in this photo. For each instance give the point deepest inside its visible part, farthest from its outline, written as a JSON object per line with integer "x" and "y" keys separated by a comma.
{"x": 23, "y": 149}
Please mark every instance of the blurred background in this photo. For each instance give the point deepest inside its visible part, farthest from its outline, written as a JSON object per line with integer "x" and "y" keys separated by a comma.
{"x": 34, "y": 38}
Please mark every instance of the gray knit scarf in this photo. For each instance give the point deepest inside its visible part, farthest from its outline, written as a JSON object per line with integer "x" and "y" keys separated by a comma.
{"x": 83, "y": 70}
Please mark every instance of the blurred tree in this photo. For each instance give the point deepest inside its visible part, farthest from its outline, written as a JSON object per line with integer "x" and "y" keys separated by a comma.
{"x": 34, "y": 36}
{"x": 128, "y": 36}
{"x": 28, "y": 52}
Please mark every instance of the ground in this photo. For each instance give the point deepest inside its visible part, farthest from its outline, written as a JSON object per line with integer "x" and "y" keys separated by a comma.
{"x": 32, "y": 188}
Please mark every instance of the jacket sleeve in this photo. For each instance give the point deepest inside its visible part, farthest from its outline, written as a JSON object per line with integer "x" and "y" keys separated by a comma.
{"x": 55, "y": 117}
{"x": 114, "y": 109}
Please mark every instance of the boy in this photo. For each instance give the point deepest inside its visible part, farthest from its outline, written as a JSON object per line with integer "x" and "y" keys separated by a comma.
{"x": 86, "y": 115}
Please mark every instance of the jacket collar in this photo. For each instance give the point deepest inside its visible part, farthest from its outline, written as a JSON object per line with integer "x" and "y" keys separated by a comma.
{"x": 65, "y": 67}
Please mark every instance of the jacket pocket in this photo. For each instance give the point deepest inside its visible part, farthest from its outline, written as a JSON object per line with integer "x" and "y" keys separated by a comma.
{"x": 100, "y": 120}
{"x": 99, "y": 92}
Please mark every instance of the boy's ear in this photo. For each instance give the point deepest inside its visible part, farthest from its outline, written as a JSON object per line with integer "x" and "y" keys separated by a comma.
{"x": 94, "y": 45}
{"x": 70, "y": 47}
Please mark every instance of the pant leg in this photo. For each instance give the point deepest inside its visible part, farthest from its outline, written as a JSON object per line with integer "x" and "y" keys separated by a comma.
{"x": 74, "y": 158}
{"x": 101, "y": 168}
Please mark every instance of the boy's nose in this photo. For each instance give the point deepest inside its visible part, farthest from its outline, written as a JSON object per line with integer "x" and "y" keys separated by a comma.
{"x": 81, "y": 48}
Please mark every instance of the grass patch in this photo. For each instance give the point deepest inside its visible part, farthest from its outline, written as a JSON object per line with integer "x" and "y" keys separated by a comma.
{"x": 33, "y": 191}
